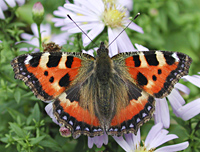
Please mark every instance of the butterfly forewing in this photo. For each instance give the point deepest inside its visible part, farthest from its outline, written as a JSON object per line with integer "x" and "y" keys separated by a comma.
{"x": 156, "y": 72}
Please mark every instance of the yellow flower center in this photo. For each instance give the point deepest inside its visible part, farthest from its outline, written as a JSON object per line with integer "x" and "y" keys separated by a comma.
{"x": 143, "y": 148}
{"x": 113, "y": 17}
{"x": 46, "y": 39}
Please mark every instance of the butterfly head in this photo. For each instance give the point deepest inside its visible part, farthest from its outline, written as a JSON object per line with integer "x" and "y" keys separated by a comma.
{"x": 102, "y": 51}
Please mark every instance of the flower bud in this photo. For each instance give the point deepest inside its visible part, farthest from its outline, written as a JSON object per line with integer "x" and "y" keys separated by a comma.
{"x": 38, "y": 13}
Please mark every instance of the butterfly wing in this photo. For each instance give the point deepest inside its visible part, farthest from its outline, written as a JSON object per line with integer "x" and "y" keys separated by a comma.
{"x": 67, "y": 78}
{"x": 143, "y": 75}
{"x": 156, "y": 72}
{"x": 48, "y": 74}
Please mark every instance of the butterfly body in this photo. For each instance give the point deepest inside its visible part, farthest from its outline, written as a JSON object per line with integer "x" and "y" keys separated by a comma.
{"x": 96, "y": 95}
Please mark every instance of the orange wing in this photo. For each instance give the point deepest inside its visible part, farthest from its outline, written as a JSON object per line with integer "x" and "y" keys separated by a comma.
{"x": 156, "y": 72}
{"x": 47, "y": 74}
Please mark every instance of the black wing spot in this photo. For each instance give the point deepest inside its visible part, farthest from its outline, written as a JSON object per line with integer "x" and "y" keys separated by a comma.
{"x": 69, "y": 61}
{"x": 53, "y": 61}
{"x": 136, "y": 61}
{"x": 51, "y": 79}
{"x": 159, "y": 71}
{"x": 34, "y": 62}
{"x": 151, "y": 59}
{"x": 154, "y": 78}
{"x": 46, "y": 73}
{"x": 169, "y": 59}
{"x": 64, "y": 81}
{"x": 142, "y": 80}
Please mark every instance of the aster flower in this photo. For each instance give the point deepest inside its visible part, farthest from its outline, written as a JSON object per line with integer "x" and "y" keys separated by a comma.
{"x": 98, "y": 14}
{"x": 47, "y": 36}
{"x": 4, "y": 4}
{"x": 155, "y": 138}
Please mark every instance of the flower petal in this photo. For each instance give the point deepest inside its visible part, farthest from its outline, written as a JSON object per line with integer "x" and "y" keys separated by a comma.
{"x": 49, "y": 111}
{"x": 162, "y": 112}
{"x": 120, "y": 140}
{"x": 182, "y": 88}
{"x": 113, "y": 50}
{"x": 20, "y": 2}
{"x": 11, "y": 3}
{"x": 153, "y": 133}
{"x": 135, "y": 27}
{"x": 175, "y": 99}
{"x": 140, "y": 47}
{"x": 195, "y": 79}
{"x": 189, "y": 110}
{"x": 1, "y": 14}
{"x": 98, "y": 141}
{"x": 173, "y": 148}
{"x": 96, "y": 30}
{"x": 123, "y": 41}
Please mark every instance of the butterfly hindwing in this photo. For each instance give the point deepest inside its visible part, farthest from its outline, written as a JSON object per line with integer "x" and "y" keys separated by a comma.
{"x": 156, "y": 72}
{"x": 48, "y": 74}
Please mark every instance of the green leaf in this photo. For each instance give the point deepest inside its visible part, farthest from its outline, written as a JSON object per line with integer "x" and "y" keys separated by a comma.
{"x": 16, "y": 114}
{"x": 36, "y": 112}
{"x": 17, "y": 130}
{"x": 17, "y": 95}
{"x": 194, "y": 39}
{"x": 37, "y": 140}
{"x": 51, "y": 144}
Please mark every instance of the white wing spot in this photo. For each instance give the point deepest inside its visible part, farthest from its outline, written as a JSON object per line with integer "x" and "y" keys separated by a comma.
{"x": 28, "y": 58}
{"x": 131, "y": 125}
{"x": 174, "y": 55}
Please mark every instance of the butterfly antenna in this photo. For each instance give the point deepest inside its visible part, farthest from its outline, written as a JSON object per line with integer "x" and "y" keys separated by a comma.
{"x": 124, "y": 29}
{"x": 81, "y": 29}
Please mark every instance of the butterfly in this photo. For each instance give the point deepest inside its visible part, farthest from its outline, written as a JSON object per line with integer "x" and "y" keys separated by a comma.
{"x": 93, "y": 95}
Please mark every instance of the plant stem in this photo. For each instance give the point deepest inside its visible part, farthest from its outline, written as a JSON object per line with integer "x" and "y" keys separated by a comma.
{"x": 40, "y": 38}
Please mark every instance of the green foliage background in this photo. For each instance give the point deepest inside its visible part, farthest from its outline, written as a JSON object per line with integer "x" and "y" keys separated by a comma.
{"x": 172, "y": 25}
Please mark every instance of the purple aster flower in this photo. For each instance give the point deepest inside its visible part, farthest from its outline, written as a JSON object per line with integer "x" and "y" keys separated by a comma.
{"x": 155, "y": 138}
{"x": 4, "y": 4}
{"x": 47, "y": 36}
{"x": 92, "y": 17}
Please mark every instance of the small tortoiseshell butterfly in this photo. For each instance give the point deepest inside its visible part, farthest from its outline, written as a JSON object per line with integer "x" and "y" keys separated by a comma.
{"x": 102, "y": 94}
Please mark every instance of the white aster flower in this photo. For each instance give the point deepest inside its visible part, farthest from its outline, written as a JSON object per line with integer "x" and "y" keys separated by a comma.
{"x": 155, "y": 138}
{"x": 5, "y": 4}
{"x": 93, "y": 17}
{"x": 46, "y": 34}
